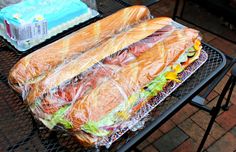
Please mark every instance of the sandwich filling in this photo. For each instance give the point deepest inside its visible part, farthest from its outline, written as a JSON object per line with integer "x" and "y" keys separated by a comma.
{"x": 58, "y": 105}
{"x": 99, "y": 73}
{"x": 137, "y": 100}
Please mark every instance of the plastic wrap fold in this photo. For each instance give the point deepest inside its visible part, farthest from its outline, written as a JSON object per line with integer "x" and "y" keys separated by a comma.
{"x": 95, "y": 80}
{"x": 26, "y": 23}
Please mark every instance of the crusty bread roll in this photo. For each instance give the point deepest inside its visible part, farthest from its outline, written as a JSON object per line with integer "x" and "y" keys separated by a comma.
{"x": 66, "y": 72}
{"x": 109, "y": 95}
{"x": 33, "y": 67}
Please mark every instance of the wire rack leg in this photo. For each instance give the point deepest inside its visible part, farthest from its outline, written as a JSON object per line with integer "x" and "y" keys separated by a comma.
{"x": 233, "y": 75}
{"x": 214, "y": 113}
{"x": 175, "y": 10}
{"x": 226, "y": 105}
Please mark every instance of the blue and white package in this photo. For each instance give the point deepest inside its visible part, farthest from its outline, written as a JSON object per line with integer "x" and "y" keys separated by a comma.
{"x": 30, "y": 22}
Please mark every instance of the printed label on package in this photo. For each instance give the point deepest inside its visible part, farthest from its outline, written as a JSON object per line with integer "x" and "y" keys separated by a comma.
{"x": 27, "y": 31}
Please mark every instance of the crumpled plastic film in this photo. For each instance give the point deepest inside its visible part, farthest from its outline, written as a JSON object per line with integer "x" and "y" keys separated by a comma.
{"x": 94, "y": 85}
{"x": 27, "y": 23}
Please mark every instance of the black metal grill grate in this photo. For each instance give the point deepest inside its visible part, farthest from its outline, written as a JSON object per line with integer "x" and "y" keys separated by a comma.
{"x": 20, "y": 132}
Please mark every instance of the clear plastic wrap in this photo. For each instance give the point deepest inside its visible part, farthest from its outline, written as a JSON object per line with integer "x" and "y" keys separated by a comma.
{"x": 95, "y": 86}
{"x": 27, "y": 23}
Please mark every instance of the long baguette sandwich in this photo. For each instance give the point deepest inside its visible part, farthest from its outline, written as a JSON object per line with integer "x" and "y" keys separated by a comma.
{"x": 95, "y": 93}
{"x": 35, "y": 66}
{"x": 93, "y": 88}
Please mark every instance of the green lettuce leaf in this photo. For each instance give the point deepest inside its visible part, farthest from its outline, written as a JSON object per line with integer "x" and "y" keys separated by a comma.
{"x": 93, "y": 128}
{"x": 157, "y": 84}
{"x": 58, "y": 118}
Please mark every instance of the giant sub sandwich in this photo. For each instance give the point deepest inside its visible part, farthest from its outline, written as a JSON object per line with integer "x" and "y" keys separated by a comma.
{"x": 95, "y": 93}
